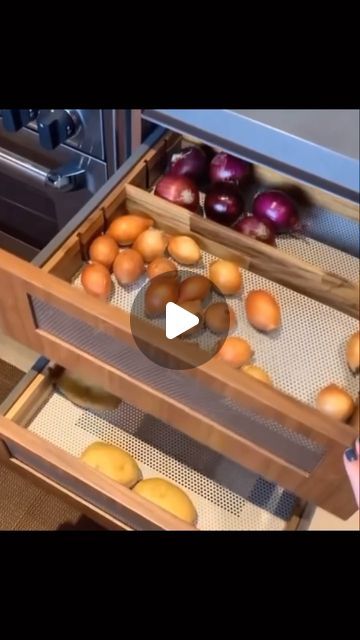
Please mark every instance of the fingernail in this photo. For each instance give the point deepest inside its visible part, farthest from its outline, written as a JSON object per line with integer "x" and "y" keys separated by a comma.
{"x": 350, "y": 455}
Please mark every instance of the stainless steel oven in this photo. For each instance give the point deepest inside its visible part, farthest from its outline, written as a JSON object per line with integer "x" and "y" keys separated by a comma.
{"x": 51, "y": 163}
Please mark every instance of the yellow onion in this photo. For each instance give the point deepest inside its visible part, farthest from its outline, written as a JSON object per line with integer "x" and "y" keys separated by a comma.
{"x": 194, "y": 307}
{"x": 226, "y": 276}
{"x": 184, "y": 250}
{"x": 353, "y": 352}
{"x": 159, "y": 292}
{"x": 256, "y": 372}
{"x": 128, "y": 266}
{"x": 125, "y": 229}
{"x": 103, "y": 250}
{"x": 235, "y": 352}
{"x": 194, "y": 288}
{"x": 220, "y": 318}
{"x": 151, "y": 244}
{"x": 262, "y": 311}
{"x": 161, "y": 266}
{"x": 95, "y": 278}
{"x": 335, "y": 402}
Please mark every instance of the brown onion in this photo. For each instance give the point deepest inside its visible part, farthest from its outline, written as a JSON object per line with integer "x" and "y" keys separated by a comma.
{"x": 125, "y": 229}
{"x": 220, "y": 318}
{"x": 335, "y": 402}
{"x": 256, "y": 372}
{"x": 103, "y": 250}
{"x": 184, "y": 250}
{"x": 226, "y": 276}
{"x": 235, "y": 352}
{"x": 194, "y": 307}
{"x": 194, "y": 288}
{"x": 128, "y": 266}
{"x": 159, "y": 292}
{"x": 353, "y": 352}
{"x": 161, "y": 266}
{"x": 95, "y": 278}
{"x": 151, "y": 244}
{"x": 262, "y": 311}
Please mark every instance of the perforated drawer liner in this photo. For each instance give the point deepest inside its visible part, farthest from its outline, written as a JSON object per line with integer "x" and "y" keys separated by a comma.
{"x": 306, "y": 354}
{"x": 327, "y": 239}
{"x": 226, "y": 496}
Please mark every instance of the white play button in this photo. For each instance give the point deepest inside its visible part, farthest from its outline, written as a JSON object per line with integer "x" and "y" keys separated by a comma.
{"x": 178, "y": 320}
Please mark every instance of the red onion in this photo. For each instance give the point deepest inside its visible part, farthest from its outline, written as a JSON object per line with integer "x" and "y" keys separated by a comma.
{"x": 223, "y": 203}
{"x": 227, "y": 168}
{"x": 262, "y": 230}
{"x": 278, "y": 208}
{"x": 179, "y": 190}
{"x": 191, "y": 162}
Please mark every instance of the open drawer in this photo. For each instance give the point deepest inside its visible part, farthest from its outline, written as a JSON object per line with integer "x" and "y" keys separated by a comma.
{"x": 43, "y": 433}
{"x": 275, "y": 432}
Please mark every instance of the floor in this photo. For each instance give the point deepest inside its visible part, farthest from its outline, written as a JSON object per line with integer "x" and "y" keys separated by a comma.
{"x": 52, "y": 512}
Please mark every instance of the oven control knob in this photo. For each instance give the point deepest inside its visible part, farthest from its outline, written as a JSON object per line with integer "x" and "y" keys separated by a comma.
{"x": 12, "y": 119}
{"x": 56, "y": 126}
{"x": 15, "y": 119}
{"x": 28, "y": 115}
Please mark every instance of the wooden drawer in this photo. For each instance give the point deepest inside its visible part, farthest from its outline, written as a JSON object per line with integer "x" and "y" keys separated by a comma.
{"x": 42, "y": 434}
{"x": 275, "y": 432}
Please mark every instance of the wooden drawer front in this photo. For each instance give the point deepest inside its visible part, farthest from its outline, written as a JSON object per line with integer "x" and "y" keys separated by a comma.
{"x": 47, "y": 433}
{"x": 56, "y": 465}
{"x": 268, "y": 430}
{"x": 305, "y": 457}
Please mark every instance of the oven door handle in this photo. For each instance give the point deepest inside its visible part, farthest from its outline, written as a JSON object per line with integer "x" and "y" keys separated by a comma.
{"x": 69, "y": 177}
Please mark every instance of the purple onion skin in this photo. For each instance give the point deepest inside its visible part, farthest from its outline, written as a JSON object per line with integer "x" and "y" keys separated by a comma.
{"x": 227, "y": 168}
{"x": 190, "y": 162}
{"x": 223, "y": 203}
{"x": 278, "y": 208}
{"x": 180, "y": 190}
{"x": 261, "y": 230}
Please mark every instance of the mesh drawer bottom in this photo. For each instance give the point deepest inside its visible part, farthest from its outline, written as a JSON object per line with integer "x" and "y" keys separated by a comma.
{"x": 226, "y": 496}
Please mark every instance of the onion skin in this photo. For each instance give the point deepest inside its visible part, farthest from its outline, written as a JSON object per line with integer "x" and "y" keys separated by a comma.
{"x": 223, "y": 203}
{"x": 262, "y": 311}
{"x": 95, "y": 279}
{"x": 261, "y": 230}
{"x": 227, "y": 168}
{"x": 190, "y": 162}
{"x": 353, "y": 352}
{"x": 335, "y": 402}
{"x": 179, "y": 190}
{"x": 278, "y": 208}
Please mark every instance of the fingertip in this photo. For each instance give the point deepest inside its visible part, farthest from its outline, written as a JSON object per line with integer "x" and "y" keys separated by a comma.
{"x": 350, "y": 455}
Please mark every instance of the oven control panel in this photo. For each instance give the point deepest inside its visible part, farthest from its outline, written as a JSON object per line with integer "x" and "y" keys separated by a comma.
{"x": 81, "y": 129}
